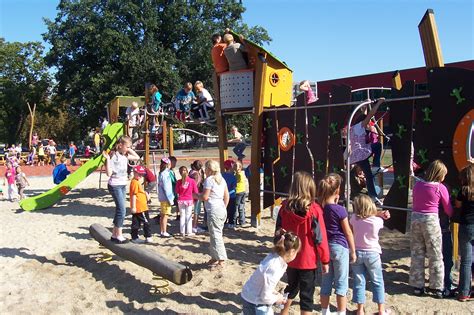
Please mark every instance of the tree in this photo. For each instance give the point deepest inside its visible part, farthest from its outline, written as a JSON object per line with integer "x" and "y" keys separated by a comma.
{"x": 24, "y": 77}
{"x": 105, "y": 48}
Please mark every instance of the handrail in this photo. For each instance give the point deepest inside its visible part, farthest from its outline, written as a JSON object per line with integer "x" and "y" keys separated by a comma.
{"x": 194, "y": 131}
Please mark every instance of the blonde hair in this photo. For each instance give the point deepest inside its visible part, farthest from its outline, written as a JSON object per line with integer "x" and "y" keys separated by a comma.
{"x": 188, "y": 85}
{"x": 124, "y": 140}
{"x": 436, "y": 171}
{"x": 467, "y": 182}
{"x": 364, "y": 207}
{"x": 302, "y": 193}
{"x": 198, "y": 83}
{"x": 328, "y": 186}
{"x": 284, "y": 241}
{"x": 228, "y": 38}
{"x": 215, "y": 170}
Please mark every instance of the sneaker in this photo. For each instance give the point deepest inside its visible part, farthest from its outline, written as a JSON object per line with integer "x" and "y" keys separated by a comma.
{"x": 118, "y": 241}
{"x": 137, "y": 241}
{"x": 148, "y": 240}
{"x": 165, "y": 234}
{"x": 378, "y": 169}
{"x": 438, "y": 294}
{"x": 449, "y": 293}
{"x": 195, "y": 230}
{"x": 200, "y": 230}
{"x": 463, "y": 298}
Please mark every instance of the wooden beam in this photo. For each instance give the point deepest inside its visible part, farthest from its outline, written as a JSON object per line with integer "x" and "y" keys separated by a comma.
{"x": 221, "y": 124}
{"x": 164, "y": 138}
{"x": 257, "y": 127}
{"x": 171, "y": 147}
{"x": 430, "y": 40}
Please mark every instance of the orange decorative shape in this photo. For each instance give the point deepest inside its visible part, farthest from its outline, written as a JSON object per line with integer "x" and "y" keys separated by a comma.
{"x": 462, "y": 135}
{"x": 64, "y": 190}
{"x": 286, "y": 139}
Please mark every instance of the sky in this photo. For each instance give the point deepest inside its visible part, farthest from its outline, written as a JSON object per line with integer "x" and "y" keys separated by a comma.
{"x": 318, "y": 39}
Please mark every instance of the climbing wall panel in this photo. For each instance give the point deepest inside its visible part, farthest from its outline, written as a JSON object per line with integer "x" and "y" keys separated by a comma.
{"x": 318, "y": 130}
{"x": 236, "y": 90}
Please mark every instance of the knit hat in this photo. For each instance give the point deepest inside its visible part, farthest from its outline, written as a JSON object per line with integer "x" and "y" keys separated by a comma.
{"x": 165, "y": 160}
{"x": 139, "y": 170}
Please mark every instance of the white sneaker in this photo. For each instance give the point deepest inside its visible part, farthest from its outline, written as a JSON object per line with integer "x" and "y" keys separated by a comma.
{"x": 165, "y": 234}
{"x": 137, "y": 241}
{"x": 195, "y": 230}
{"x": 149, "y": 240}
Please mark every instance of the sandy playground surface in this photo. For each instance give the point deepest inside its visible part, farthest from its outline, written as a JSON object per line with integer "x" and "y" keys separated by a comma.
{"x": 48, "y": 264}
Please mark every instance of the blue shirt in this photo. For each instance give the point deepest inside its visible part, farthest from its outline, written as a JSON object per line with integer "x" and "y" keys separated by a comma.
{"x": 72, "y": 151}
{"x": 231, "y": 181}
{"x": 60, "y": 172}
{"x": 156, "y": 101}
{"x": 185, "y": 98}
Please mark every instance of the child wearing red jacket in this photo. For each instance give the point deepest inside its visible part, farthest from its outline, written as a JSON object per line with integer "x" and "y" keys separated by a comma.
{"x": 296, "y": 215}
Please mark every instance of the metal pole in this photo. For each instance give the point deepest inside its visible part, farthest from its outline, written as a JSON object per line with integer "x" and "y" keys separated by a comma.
{"x": 348, "y": 146}
{"x": 400, "y": 99}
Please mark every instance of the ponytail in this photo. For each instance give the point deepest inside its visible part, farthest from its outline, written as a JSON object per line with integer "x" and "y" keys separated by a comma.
{"x": 285, "y": 241}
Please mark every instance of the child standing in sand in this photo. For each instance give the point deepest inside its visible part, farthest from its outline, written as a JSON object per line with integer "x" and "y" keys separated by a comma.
{"x": 240, "y": 194}
{"x": 139, "y": 206}
{"x": 185, "y": 188}
{"x": 21, "y": 181}
{"x": 165, "y": 195}
{"x": 259, "y": 293}
{"x": 197, "y": 174}
{"x": 296, "y": 214}
{"x": 10, "y": 181}
{"x": 341, "y": 244}
{"x": 465, "y": 203}
{"x": 216, "y": 197}
{"x": 231, "y": 182}
{"x": 366, "y": 224}
{"x": 116, "y": 165}
{"x": 426, "y": 237}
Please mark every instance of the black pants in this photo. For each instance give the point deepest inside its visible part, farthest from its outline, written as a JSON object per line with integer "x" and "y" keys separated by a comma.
{"x": 137, "y": 220}
{"x": 302, "y": 280}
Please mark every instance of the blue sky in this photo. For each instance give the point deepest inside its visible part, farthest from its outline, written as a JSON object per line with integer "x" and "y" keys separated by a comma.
{"x": 319, "y": 40}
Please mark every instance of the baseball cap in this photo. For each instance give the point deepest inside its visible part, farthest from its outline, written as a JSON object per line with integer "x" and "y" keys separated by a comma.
{"x": 165, "y": 160}
{"x": 139, "y": 170}
{"x": 228, "y": 164}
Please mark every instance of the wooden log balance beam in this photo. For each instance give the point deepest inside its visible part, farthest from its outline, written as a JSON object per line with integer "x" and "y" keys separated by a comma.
{"x": 142, "y": 256}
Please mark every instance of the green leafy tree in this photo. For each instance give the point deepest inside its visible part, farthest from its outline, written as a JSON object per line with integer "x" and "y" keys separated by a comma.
{"x": 24, "y": 77}
{"x": 105, "y": 48}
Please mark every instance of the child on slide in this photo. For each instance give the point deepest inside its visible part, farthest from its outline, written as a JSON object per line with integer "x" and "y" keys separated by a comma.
{"x": 259, "y": 293}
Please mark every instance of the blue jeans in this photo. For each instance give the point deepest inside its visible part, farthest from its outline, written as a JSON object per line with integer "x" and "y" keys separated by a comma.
{"x": 365, "y": 166}
{"x": 118, "y": 194}
{"x": 239, "y": 150}
{"x": 368, "y": 263}
{"x": 466, "y": 236}
{"x": 254, "y": 309}
{"x": 377, "y": 151}
{"x": 239, "y": 216}
{"x": 447, "y": 258}
{"x": 338, "y": 275}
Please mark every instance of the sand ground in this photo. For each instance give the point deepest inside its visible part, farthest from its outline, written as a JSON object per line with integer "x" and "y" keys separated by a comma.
{"x": 48, "y": 264}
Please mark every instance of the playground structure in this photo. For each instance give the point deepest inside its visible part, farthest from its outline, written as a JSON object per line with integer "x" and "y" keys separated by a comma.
{"x": 308, "y": 137}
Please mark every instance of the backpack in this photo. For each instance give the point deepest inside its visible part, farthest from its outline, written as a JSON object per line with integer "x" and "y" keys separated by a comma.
{"x": 316, "y": 229}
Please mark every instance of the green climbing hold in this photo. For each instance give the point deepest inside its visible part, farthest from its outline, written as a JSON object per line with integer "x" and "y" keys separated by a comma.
{"x": 457, "y": 94}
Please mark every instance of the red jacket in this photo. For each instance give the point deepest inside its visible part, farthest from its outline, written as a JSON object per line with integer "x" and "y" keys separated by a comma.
{"x": 301, "y": 226}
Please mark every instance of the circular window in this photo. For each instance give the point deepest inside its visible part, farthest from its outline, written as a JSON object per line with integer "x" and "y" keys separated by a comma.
{"x": 286, "y": 139}
{"x": 274, "y": 79}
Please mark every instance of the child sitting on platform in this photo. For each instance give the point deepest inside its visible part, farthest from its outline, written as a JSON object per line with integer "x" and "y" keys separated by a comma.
{"x": 138, "y": 206}
{"x": 183, "y": 101}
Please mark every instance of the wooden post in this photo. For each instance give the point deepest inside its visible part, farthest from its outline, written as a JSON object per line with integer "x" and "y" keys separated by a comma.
{"x": 397, "y": 80}
{"x": 147, "y": 124}
{"x": 257, "y": 127}
{"x": 430, "y": 40}
{"x": 221, "y": 125}
{"x": 164, "y": 138}
{"x": 32, "y": 116}
{"x": 171, "y": 150}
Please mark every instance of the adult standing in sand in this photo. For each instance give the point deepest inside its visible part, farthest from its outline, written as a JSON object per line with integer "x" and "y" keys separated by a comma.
{"x": 216, "y": 197}
{"x": 116, "y": 164}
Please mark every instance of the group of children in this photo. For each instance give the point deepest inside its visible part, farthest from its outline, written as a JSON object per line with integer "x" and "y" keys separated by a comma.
{"x": 15, "y": 180}
{"x": 313, "y": 229}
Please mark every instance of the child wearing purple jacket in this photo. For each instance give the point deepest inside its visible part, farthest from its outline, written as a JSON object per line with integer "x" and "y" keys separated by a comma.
{"x": 426, "y": 238}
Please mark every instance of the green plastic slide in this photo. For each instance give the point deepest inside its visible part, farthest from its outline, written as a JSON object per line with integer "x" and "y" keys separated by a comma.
{"x": 111, "y": 133}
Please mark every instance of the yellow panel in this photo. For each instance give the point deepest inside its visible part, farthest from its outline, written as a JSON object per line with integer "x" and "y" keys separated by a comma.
{"x": 277, "y": 85}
